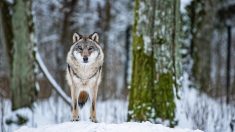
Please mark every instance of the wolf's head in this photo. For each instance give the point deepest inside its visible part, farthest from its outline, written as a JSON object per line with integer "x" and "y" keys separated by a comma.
{"x": 85, "y": 48}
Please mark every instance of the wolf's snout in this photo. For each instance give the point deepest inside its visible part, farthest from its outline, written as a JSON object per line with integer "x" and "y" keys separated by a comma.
{"x": 85, "y": 59}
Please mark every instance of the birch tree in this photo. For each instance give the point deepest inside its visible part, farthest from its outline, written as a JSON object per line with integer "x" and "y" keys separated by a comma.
{"x": 155, "y": 65}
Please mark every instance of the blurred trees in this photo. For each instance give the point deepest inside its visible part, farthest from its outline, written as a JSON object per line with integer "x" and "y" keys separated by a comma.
{"x": 66, "y": 32}
{"x": 6, "y": 34}
{"x": 206, "y": 29}
{"x": 22, "y": 80}
{"x": 103, "y": 24}
{"x": 6, "y": 45}
{"x": 201, "y": 22}
{"x": 155, "y": 60}
{"x": 68, "y": 10}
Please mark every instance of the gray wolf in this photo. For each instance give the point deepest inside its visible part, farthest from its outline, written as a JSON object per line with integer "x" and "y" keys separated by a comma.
{"x": 85, "y": 59}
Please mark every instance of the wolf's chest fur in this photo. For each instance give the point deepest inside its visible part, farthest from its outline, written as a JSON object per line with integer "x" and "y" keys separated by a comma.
{"x": 86, "y": 76}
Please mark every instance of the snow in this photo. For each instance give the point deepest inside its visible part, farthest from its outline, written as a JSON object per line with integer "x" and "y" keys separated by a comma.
{"x": 54, "y": 110}
{"x": 183, "y": 4}
{"x": 104, "y": 127}
{"x": 197, "y": 110}
{"x": 49, "y": 39}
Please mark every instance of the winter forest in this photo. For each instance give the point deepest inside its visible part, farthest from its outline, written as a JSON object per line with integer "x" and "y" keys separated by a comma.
{"x": 168, "y": 62}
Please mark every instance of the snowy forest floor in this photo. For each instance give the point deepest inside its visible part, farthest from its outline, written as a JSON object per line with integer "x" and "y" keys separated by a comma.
{"x": 104, "y": 127}
{"x": 55, "y": 110}
{"x": 194, "y": 110}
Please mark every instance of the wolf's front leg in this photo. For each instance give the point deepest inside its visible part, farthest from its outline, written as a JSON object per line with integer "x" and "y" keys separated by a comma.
{"x": 75, "y": 116}
{"x": 93, "y": 106}
{"x": 75, "y": 110}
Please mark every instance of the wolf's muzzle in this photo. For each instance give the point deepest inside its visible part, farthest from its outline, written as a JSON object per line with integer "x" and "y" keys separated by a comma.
{"x": 85, "y": 59}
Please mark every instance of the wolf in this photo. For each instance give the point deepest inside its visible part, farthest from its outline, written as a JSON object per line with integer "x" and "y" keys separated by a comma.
{"x": 83, "y": 74}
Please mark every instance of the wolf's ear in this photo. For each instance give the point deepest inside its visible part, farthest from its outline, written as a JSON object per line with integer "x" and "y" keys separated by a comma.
{"x": 94, "y": 37}
{"x": 76, "y": 37}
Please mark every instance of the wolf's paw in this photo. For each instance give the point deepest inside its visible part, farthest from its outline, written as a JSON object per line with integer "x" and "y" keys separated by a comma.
{"x": 93, "y": 120}
{"x": 75, "y": 119}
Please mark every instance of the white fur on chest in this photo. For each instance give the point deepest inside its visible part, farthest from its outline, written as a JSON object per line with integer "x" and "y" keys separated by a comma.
{"x": 86, "y": 70}
{"x": 84, "y": 83}
{"x": 88, "y": 87}
{"x": 89, "y": 83}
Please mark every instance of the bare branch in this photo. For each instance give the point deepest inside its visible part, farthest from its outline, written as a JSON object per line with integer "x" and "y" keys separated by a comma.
{"x": 55, "y": 85}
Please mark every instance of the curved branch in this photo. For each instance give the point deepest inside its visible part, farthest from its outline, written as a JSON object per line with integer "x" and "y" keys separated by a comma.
{"x": 55, "y": 85}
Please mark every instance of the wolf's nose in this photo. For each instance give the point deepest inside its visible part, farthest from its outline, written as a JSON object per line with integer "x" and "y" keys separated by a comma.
{"x": 85, "y": 59}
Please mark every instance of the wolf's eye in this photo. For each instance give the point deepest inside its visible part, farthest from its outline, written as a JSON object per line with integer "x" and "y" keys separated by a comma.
{"x": 79, "y": 47}
{"x": 90, "y": 48}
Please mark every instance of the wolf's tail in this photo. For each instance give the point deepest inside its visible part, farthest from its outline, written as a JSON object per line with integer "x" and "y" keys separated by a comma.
{"x": 82, "y": 99}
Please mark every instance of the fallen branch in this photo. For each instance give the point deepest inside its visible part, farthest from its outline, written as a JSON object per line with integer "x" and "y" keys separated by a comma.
{"x": 55, "y": 85}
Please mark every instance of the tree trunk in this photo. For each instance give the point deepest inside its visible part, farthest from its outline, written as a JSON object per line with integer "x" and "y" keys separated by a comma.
{"x": 103, "y": 23}
{"x": 6, "y": 33}
{"x": 155, "y": 60}
{"x": 22, "y": 81}
{"x": 66, "y": 34}
{"x": 201, "y": 14}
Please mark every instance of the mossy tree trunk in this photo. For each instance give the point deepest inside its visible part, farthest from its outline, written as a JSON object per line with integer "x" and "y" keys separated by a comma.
{"x": 22, "y": 81}
{"x": 155, "y": 61}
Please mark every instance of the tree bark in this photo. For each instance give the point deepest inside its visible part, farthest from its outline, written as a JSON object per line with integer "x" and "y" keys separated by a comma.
{"x": 103, "y": 23}
{"x": 66, "y": 34}
{"x": 6, "y": 33}
{"x": 155, "y": 60}
{"x": 22, "y": 81}
{"x": 201, "y": 15}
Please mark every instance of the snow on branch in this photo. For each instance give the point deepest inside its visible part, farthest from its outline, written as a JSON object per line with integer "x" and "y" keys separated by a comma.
{"x": 55, "y": 85}
{"x": 48, "y": 39}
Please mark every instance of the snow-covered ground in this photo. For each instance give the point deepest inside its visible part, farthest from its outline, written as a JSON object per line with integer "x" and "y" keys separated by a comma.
{"x": 55, "y": 110}
{"x": 104, "y": 127}
{"x": 198, "y": 111}
{"x": 194, "y": 111}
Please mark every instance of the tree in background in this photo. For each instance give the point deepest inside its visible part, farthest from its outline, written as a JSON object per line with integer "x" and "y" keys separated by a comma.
{"x": 201, "y": 22}
{"x": 6, "y": 33}
{"x": 206, "y": 28}
{"x": 155, "y": 65}
{"x": 68, "y": 10}
{"x": 22, "y": 80}
{"x": 103, "y": 24}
